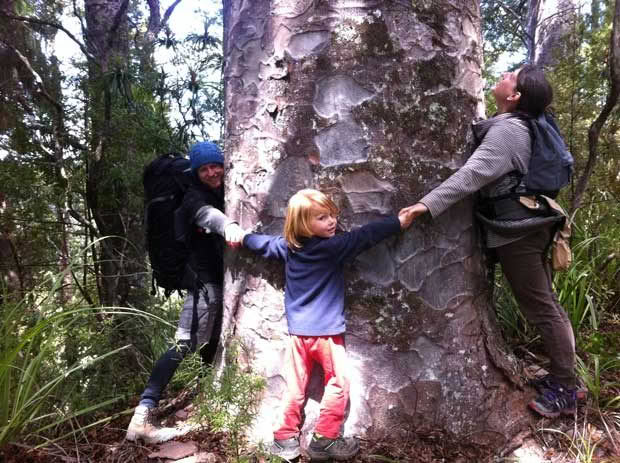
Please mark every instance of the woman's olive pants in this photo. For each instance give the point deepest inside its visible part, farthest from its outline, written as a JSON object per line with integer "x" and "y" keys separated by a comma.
{"x": 527, "y": 269}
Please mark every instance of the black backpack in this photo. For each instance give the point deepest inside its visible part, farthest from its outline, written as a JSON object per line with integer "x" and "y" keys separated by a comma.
{"x": 165, "y": 180}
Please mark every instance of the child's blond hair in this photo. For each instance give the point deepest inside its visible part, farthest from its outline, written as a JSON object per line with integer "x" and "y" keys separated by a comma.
{"x": 301, "y": 207}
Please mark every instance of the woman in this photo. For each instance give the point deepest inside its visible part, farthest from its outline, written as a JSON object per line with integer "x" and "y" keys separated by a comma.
{"x": 496, "y": 169}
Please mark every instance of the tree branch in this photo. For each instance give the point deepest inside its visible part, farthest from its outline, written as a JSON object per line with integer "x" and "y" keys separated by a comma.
{"x": 36, "y": 76}
{"x": 51, "y": 24}
{"x": 521, "y": 31}
{"x": 77, "y": 216}
{"x": 531, "y": 28}
{"x": 80, "y": 18}
{"x": 155, "y": 21}
{"x": 168, "y": 13}
{"x": 610, "y": 103}
{"x": 117, "y": 22}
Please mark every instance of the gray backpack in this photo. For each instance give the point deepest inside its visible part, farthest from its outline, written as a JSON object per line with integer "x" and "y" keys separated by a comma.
{"x": 551, "y": 164}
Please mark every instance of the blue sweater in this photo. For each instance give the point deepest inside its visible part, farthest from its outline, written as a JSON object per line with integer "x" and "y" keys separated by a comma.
{"x": 314, "y": 291}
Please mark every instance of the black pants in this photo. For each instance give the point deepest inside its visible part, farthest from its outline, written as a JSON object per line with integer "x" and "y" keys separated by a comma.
{"x": 200, "y": 325}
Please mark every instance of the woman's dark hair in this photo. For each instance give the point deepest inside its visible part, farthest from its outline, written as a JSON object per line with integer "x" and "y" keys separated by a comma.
{"x": 535, "y": 89}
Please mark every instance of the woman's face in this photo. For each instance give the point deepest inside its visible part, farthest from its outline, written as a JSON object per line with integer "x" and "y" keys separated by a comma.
{"x": 505, "y": 88}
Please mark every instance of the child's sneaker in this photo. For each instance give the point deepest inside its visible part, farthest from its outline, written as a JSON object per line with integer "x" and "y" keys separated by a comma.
{"x": 555, "y": 400}
{"x": 322, "y": 449}
{"x": 288, "y": 449}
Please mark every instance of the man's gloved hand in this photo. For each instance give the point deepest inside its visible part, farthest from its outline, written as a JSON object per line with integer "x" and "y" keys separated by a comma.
{"x": 234, "y": 235}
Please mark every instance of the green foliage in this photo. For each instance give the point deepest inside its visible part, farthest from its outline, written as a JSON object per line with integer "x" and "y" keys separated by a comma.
{"x": 229, "y": 400}
{"x": 512, "y": 321}
{"x": 195, "y": 83}
{"x": 594, "y": 375}
{"x": 502, "y": 29}
{"x": 58, "y": 365}
{"x": 581, "y": 83}
{"x": 577, "y": 289}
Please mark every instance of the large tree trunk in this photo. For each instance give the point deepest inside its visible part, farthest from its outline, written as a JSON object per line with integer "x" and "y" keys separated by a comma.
{"x": 371, "y": 102}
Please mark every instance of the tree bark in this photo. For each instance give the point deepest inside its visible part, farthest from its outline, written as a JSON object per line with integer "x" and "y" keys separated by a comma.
{"x": 370, "y": 101}
{"x": 106, "y": 36}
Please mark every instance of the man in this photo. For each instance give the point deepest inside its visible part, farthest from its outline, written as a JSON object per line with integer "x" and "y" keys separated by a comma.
{"x": 201, "y": 316}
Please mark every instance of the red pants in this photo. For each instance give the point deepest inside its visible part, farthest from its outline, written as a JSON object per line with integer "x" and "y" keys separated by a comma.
{"x": 330, "y": 353}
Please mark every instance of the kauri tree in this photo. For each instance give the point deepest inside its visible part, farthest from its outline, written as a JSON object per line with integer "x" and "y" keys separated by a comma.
{"x": 370, "y": 101}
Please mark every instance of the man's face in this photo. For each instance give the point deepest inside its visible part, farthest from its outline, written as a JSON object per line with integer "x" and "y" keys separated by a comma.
{"x": 211, "y": 175}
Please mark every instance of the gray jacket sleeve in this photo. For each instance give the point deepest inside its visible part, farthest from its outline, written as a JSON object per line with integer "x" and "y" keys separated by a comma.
{"x": 212, "y": 220}
{"x": 503, "y": 149}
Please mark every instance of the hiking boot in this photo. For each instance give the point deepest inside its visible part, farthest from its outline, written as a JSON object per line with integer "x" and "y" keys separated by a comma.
{"x": 322, "y": 449}
{"x": 287, "y": 449}
{"x": 142, "y": 426}
{"x": 548, "y": 382}
{"x": 555, "y": 400}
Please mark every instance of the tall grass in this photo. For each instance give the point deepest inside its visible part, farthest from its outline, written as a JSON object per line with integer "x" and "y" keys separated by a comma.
{"x": 580, "y": 289}
{"x": 588, "y": 292}
{"x": 594, "y": 374}
{"x": 38, "y": 390}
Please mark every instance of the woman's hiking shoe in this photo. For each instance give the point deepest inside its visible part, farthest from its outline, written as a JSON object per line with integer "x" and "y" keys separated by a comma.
{"x": 548, "y": 382}
{"x": 322, "y": 449}
{"x": 142, "y": 426}
{"x": 554, "y": 401}
{"x": 287, "y": 449}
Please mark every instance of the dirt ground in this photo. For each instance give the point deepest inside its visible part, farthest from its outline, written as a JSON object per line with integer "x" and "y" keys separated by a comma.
{"x": 106, "y": 444}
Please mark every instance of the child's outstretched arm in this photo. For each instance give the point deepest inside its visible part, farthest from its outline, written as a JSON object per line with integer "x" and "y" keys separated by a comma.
{"x": 347, "y": 245}
{"x": 269, "y": 246}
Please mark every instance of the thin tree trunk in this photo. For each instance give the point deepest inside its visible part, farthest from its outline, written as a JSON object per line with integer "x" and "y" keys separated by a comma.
{"x": 532, "y": 22}
{"x": 556, "y": 22}
{"x": 108, "y": 37}
{"x": 610, "y": 104}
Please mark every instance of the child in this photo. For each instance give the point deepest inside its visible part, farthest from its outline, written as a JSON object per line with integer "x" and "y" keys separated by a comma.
{"x": 314, "y": 303}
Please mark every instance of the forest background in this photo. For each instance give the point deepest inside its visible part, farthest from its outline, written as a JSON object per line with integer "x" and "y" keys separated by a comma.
{"x": 80, "y": 327}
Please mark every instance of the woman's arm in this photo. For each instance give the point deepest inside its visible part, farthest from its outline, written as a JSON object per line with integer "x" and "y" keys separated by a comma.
{"x": 496, "y": 156}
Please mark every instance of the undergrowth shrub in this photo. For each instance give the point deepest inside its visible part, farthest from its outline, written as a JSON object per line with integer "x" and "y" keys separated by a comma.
{"x": 228, "y": 400}
{"x": 59, "y": 372}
